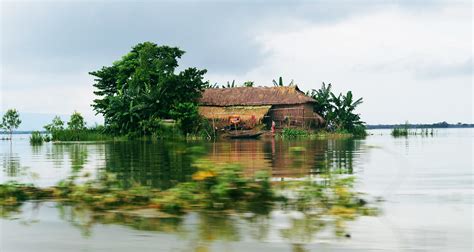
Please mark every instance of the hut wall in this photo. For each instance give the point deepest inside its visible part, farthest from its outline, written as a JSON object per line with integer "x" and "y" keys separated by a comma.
{"x": 296, "y": 115}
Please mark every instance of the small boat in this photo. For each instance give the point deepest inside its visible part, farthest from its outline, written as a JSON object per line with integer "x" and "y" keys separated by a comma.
{"x": 244, "y": 134}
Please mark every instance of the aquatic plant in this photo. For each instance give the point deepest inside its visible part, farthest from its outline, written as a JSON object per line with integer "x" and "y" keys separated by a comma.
{"x": 36, "y": 138}
{"x": 293, "y": 133}
{"x": 401, "y": 131}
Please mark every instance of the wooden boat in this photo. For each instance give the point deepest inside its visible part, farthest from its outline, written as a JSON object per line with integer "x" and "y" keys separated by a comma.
{"x": 244, "y": 134}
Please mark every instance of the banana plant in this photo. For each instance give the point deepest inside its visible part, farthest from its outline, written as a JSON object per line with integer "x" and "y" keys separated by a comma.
{"x": 280, "y": 82}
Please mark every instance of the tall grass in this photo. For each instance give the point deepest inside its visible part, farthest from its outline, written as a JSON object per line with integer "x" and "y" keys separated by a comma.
{"x": 92, "y": 134}
{"x": 36, "y": 138}
{"x": 398, "y": 132}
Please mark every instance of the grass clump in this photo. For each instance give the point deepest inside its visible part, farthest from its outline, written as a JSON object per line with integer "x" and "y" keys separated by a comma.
{"x": 294, "y": 133}
{"x": 398, "y": 132}
{"x": 37, "y": 138}
{"x": 401, "y": 131}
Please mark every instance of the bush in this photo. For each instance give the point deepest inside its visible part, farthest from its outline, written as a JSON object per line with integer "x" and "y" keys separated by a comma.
{"x": 36, "y": 138}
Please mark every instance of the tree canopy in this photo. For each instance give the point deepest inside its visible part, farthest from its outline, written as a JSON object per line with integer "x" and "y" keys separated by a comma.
{"x": 338, "y": 111}
{"x": 10, "y": 121}
{"x": 143, "y": 85}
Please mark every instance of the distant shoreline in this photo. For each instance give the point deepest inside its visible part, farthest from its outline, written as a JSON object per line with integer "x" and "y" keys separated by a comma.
{"x": 442, "y": 125}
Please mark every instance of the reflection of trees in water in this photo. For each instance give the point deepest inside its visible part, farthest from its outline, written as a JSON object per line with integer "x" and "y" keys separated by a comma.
{"x": 289, "y": 158}
{"x": 55, "y": 153}
{"x": 155, "y": 164}
{"x": 78, "y": 156}
{"x": 337, "y": 157}
{"x": 11, "y": 165}
{"x": 76, "y": 152}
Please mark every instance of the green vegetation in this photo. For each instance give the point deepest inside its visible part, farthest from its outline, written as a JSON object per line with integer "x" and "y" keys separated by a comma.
{"x": 76, "y": 130}
{"x": 37, "y": 138}
{"x": 212, "y": 187}
{"x": 10, "y": 121}
{"x": 338, "y": 111}
{"x": 280, "y": 83}
{"x": 294, "y": 133}
{"x": 142, "y": 88}
{"x": 397, "y": 132}
{"x": 405, "y": 131}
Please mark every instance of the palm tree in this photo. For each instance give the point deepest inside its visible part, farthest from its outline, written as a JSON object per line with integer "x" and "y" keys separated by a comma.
{"x": 342, "y": 114}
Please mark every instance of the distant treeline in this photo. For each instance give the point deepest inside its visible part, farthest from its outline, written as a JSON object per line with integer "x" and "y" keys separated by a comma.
{"x": 422, "y": 126}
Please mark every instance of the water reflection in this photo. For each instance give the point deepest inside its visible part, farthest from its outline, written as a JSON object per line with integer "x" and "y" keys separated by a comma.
{"x": 285, "y": 159}
{"x": 155, "y": 164}
{"x": 11, "y": 163}
{"x": 162, "y": 164}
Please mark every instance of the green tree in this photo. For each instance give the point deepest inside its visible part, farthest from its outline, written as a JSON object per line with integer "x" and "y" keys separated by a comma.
{"x": 76, "y": 122}
{"x": 338, "y": 111}
{"x": 10, "y": 121}
{"x": 143, "y": 85}
{"x": 55, "y": 125}
{"x": 343, "y": 116}
{"x": 323, "y": 105}
{"x": 187, "y": 116}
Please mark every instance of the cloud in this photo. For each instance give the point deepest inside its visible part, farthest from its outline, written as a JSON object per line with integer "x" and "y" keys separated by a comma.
{"x": 376, "y": 49}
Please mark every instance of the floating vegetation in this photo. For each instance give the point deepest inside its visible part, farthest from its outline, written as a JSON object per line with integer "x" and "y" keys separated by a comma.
{"x": 213, "y": 188}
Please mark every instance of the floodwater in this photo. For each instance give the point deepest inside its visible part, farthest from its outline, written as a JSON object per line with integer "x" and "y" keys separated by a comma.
{"x": 424, "y": 185}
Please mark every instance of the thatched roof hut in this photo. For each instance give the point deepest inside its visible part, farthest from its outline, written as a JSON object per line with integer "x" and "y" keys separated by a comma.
{"x": 287, "y": 106}
{"x": 252, "y": 96}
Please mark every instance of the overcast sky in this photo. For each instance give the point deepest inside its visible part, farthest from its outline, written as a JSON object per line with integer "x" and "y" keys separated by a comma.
{"x": 409, "y": 60}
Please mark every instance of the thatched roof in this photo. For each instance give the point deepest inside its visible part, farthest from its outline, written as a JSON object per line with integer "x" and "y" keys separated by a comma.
{"x": 253, "y": 96}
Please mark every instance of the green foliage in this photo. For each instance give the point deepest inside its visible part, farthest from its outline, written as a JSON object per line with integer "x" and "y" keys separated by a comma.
{"x": 55, "y": 125}
{"x": 323, "y": 105}
{"x": 280, "y": 82}
{"x": 143, "y": 86}
{"x": 10, "y": 121}
{"x": 187, "y": 116}
{"x": 400, "y": 131}
{"x": 76, "y": 130}
{"x": 230, "y": 84}
{"x": 36, "y": 138}
{"x": 248, "y": 84}
{"x": 338, "y": 111}
{"x": 88, "y": 134}
{"x": 293, "y": 133}
{"x": 76, "y": 122}
{"x": 13, "y": 193}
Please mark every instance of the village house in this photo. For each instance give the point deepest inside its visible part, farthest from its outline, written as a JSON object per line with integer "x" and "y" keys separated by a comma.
{"x": 287, "y": 106}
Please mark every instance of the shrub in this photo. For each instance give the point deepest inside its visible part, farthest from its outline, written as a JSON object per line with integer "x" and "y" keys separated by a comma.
{"x": 36, "y": 138}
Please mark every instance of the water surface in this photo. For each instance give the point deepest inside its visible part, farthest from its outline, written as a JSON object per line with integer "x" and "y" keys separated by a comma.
{"x": 426, "y": 184}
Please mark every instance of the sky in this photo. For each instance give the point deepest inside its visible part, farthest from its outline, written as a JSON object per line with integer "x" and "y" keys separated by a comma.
{"x": 409, "y": 60}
